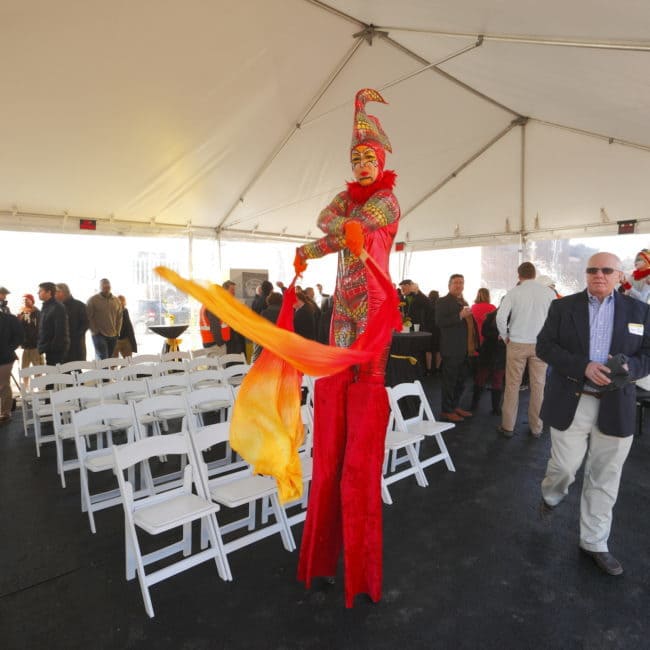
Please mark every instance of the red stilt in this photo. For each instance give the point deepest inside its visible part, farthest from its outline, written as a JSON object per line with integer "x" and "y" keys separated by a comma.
{"x": 322, "y": 536}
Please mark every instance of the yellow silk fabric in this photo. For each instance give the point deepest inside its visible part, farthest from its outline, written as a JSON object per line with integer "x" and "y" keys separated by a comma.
{"x": 266, "y": 428}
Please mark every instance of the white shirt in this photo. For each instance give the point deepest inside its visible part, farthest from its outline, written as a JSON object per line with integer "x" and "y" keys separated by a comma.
{"x": 526, "y": 305}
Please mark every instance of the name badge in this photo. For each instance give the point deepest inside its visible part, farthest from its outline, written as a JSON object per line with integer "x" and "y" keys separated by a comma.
{"x": 635, "y": 328}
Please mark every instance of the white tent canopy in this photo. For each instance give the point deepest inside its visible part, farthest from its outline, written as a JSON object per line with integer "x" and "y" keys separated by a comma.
{"x": 508, "y": 120}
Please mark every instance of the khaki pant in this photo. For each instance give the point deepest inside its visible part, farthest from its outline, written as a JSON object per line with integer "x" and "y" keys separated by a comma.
{"x": 602, "y": 476}
{"x": 5, "y": 389}
{"x": 517, "y": 356}
{"x": 123, "y": 347}
{"x": 31, "y": 357}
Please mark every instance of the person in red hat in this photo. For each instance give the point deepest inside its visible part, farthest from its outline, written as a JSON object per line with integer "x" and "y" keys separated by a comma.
{"x": 345, "y": 508}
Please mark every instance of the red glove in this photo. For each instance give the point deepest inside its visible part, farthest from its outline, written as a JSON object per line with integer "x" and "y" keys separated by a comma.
{"x": 353, "y": 236}
{"x": 299, "y": 263}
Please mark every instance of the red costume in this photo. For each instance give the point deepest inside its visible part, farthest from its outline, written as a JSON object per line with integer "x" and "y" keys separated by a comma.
{"x": 351, "y": 408}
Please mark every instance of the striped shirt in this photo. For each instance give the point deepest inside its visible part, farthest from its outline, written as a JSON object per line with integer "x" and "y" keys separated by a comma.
{"x": 601, "y": 327}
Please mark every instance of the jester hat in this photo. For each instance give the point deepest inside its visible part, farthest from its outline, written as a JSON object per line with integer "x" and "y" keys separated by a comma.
{"x": 367, "y": 129}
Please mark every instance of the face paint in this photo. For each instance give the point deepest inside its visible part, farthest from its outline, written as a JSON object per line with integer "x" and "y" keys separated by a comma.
{"x": 365, "y": 165}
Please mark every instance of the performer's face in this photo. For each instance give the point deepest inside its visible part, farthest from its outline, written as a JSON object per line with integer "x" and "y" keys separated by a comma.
{"x": 365, "y": 165}
{"x": 640, "y": 263}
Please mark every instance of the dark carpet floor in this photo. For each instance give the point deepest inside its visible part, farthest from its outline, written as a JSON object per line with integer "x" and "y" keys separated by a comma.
{"x": 467, "y": 564}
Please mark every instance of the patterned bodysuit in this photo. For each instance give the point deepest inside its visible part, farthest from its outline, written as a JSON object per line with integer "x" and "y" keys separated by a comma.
{"x": 357, "y": 294}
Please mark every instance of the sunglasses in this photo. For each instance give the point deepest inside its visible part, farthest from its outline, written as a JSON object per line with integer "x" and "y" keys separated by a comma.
{"x": 607, "y": 270}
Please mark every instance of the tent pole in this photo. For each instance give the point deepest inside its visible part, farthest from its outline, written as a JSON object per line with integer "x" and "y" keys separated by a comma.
{"x": 634, "y": 46}
{"x": 294, "y": 129}
{"x": 522, "y": 195}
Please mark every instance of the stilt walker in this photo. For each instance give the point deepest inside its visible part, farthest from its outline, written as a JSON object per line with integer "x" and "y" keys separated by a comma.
{"x": 351, "y": 408}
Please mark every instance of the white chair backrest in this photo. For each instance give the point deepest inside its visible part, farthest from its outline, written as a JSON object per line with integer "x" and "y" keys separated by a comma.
{"x": 222, "y": 393}
{"x": 37, "y": 370}
{"x": 55, "y": 381}
{"x": 111, "y": 363}
{"x": 170, "y": 367}
{"x": 204, "y": 363}
{"x": 136, "y": 452}
{"x": 133, "y": 389}
{"x": 236, "y": 372}
{"x": 177, "y": 355}
{"x": 155, "y": 405}
{"x": 215, "y": 351}
{"x": 94, "y": 377}
{"x": 145, "y": 358}
{"x": 74, "y": 398}
{"x": 134, "y": 372}
{"x": 228, "y": 359}
{"x": 202, "y": 438}
{"x": 103, "y": 413}
{"x": 160, "y": 384}
{"x": 76, "y": 366}
{"x": 414, "y": 390}
{"x": 200, "y": 378}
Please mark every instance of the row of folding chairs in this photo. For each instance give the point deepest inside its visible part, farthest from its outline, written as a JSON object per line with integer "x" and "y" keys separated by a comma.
{"x": 35, "y": 402}
{"x": 222, "y": 361}
{"x": 156, "y": 507}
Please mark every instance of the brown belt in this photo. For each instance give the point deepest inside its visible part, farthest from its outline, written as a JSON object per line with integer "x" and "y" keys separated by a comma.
{"x": 591, "y": 394}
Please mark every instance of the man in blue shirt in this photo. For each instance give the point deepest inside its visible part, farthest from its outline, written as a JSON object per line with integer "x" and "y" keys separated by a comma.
{"x": 580, "y": 334}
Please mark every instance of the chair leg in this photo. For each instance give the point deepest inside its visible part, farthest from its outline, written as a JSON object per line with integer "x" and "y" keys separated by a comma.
{"x": 415, "y": 463}
{"x": 385, "y": 494}
{"x": 221, "y": 559}
{"x": 445, "y": 451}
{"x": 285, "y": 529}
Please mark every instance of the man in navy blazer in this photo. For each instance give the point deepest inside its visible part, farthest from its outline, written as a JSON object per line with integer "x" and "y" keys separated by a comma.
{"x": 581, "y": 332}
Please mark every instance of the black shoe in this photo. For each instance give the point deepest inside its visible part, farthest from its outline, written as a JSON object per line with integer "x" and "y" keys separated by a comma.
{"x": 606, "y": 562}
{"x": 545, "y": 510}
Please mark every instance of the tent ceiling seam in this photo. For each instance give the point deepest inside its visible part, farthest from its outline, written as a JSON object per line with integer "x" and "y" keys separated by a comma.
{"x": 337, "y": 12}
{"x": 593, "y": 134}
{"x": 297, "y": 125}
{"x": 451, "y": 78}
{"x": 630, "y": 46}
{"x": 520, "y": 121}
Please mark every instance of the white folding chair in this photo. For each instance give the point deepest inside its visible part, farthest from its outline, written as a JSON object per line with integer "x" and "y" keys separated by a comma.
{"x": 422, "y": 423}
{"x": 176, "y": 355}
{"x": 203, "y": 363}
{"x": 217, "y": 399}
{"x": 25, "y": 394}
{"x": 206, "y": 379}
{"x": 228, "y": 359}
{"x": 138, "y": 371}
{"x": 122, "y": 392}
{"x": 144, "y": 358}
{"x": 175, "y": 384}
{"x": 76, "y": 366}
{"x": 170, "y": 367}
{"x": 239, "y": 489}
{"x": 86, "y": 423}
{"x": 235, "y": 374}
{"x": 94, "y": 377}
{"x": 64, "y": 403}
{"x": 156, "y": 514}
{"x": 41, "y": 410}
{"x": 396, "y": 441}
{"x": 212, "y": 352}
{"x": 111, "y": 363}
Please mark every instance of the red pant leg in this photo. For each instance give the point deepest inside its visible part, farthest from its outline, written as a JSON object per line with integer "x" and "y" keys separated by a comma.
{"x": 367, "y": 419}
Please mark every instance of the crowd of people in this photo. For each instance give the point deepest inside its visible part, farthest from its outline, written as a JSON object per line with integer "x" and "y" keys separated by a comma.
{"x": 56, "y": 332}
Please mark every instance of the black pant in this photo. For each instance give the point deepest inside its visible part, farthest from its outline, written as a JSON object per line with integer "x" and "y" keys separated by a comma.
{"x": 52, "y": 358}
{"x": 454, "y": 370}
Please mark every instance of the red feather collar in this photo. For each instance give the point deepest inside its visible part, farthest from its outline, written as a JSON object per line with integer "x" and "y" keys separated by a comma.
{"x": 361, "y": 193}
{"x": 639, "y": 274}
